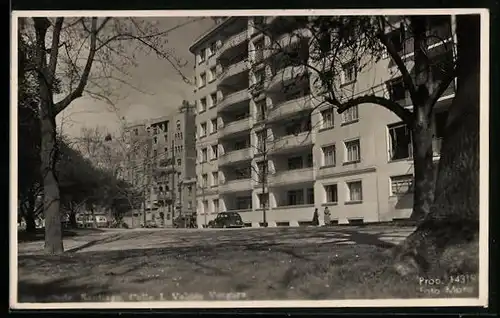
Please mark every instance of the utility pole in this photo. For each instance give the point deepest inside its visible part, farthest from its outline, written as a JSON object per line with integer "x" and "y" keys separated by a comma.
{"x": 172, "y": 191}
{"x": 264, "y": 178}
{"x": 203, "y": 195}
{"x": 147, "y": 181}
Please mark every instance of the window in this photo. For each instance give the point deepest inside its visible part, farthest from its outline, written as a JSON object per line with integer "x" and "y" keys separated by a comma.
{"x": 349, "y": 72}
{"x": 213, "y": 99}
{"x": 295, "y": 197}
{"x": 396, "y": 88}
{"x": 155, "y": 140}
{"x": 155, "y": 153}
{"x": 179, "y": 162}
{"x": 240, "y": 144}
{"x": 190, "y": 205}
{"x": 243, "y": 173}
{"x": 215, "y": 152}
{"x": 352, "y": 151}
{"x": 243, "y": 203}
{"x": 178, "y": 125}
{"x": 165, "y": 137}
{"x": 263, "y": 200}
{"x": 309, "y": 161}
{"x": 136, "y": 131}
{"x": 214, "y": 125}
{"x": 355, "y": 191}
{"x": 203, "y": 80}
{"x": 331, "y": 193}
{"x": 204, "y": 180}
{"x": 261, "y": 139}
{"x": 212, "y": 49}
{"x": 259, "y": 77}
{"x": 204, "y": 155}
{"x": 202, "y": 55}
{"x": 203, "y": 105}
{"x": 310, "y": 196}
{"x": 215, "y": 178}
{"x": 327, "y": 116}
{"x": 329, "y": 155}
{"x": 262, "y": 167}
{"x": 212, "y": 75}
{"x": 294, "y": 163}
{"x": 165, "y": 150}
{"x": 216, "y": 205}
{"x": 205, "y": 206}
{"x": 399, "y": 142}
{"x": 259, "y": 50}
{"x": 261, "y": 109}
{"x": 203, "y": 129}
{"x": 350, "y": 115}
{"x": 155, "y": 130}
{"x": 401, "y": 185}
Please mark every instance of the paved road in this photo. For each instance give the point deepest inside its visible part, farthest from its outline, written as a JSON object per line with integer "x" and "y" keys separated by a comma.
{"x": 118, "y": 239}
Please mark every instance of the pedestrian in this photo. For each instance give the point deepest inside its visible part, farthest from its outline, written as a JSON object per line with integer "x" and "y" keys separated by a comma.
{"x": 327, "y": 216}
{"x": 315, "y": 220}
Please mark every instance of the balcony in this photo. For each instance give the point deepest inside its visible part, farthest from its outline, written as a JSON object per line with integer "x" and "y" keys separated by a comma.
{"x": 233, "y": 41}
{"x": 235, "y": 156}
{"x": 233, "y": 98}
{"x": 235, "y": 127}
{"x": 235, "y": 185}
{"x": 289, "y": 107}
{"x": 291, "y": 176}
{"x": 166, "y": 196}
{"x": 281, "y": 77}
{"x": 290, "y": 142}
{"x": 232, "y": 70}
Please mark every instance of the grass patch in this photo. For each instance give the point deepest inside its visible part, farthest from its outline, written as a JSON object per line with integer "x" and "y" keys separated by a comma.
{"x": 246, "y": 269}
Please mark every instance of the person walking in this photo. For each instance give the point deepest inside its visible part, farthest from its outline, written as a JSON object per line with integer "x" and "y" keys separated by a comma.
{"x": 315, "y": 220}
{"x": 327, "y": 216}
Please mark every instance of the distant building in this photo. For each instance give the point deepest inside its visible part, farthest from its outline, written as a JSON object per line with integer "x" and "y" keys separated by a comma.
{"x": 163, "y": 163}
{"x": 358, "y": 164}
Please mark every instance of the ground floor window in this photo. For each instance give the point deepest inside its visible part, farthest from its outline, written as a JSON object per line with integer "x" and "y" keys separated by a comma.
{"x": 295, "y": 197}
{"x": 401, "y": 185}
{"x": 244, "y": 203}
{"x": 331, "y": 193}
{"x": 355, "y": 191}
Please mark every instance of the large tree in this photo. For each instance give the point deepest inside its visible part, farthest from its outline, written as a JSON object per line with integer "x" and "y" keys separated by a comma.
{"x": 454, "y": 213}
{"x": 320, "y": 47}
{"x": 83, "y": 55}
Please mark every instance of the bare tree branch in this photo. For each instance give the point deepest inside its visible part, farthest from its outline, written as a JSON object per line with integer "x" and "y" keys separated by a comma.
{"x": 83, "y": 80}
{"x": 394, "y": 107}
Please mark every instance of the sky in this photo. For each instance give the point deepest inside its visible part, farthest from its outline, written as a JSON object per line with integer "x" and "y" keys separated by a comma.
{"x": 164, "y": 86}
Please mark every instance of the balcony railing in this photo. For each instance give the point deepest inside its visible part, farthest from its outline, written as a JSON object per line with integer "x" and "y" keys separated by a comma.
{"x": 285, "y": 75}
{"x": 235, "y": 185}
{"x": 291, "y": 176}
{"x": 232, "y": 69}
{"x": 290, "y": 142}
{"x": 233, "y": 41}
{"x": 290, "y": 107}
{"x": 233, "y": 98}
{"x": 235, "y": 156}
{"x": 234, "y": 127}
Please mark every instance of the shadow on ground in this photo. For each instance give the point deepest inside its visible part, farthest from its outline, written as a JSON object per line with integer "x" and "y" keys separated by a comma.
{"x": 39, "y": 234}
{"x": 262, "y": 265}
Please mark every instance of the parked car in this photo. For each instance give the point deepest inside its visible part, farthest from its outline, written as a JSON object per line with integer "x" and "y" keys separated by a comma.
{"x": 149, "y": 224}
{"x": 184, "y": 221}
{"x": 227, "y": 219}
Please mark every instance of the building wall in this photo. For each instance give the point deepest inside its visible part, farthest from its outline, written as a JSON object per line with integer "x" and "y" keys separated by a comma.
{"x": 374, "y": 169}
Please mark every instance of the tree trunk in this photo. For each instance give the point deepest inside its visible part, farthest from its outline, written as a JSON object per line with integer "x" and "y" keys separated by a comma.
{"x": 72, "y": 219}
{"x": 51, "y": 203}
{"x": 423, "y": 166}
{"x": 29, "y": 215}
{"x": 454, "y": 215}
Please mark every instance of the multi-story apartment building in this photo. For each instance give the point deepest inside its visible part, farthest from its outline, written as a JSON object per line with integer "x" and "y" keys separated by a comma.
{"x": 254, "y": 115}
{"x": 164, "y": 164}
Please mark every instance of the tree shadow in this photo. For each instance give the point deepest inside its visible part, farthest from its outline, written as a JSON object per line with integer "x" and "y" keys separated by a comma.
{"x": 39, "y": 234}
{"x": 108, "y": 239}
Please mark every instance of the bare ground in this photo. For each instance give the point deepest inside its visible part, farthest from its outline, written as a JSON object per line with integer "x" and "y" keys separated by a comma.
{"x": 262, "y": 264}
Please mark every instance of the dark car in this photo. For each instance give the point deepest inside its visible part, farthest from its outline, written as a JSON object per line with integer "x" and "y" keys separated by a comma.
{"x": 184, "y": 221}
{"x": 227, "y": 219}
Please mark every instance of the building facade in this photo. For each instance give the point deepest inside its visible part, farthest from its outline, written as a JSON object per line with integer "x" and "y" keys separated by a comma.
{"x": 269, "y": 151}
{"x": 162, "y": 153}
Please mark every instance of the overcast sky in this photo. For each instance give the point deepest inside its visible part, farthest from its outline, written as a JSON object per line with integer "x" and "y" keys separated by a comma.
{"x": 165, "y": 87}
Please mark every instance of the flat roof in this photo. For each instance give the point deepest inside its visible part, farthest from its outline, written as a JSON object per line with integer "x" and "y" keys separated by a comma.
{"x": 208, "y": 33}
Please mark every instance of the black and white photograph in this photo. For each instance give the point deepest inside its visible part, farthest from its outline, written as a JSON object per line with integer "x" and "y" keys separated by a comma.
{"x": 249, "y": 158}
